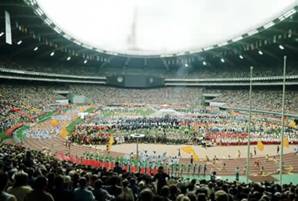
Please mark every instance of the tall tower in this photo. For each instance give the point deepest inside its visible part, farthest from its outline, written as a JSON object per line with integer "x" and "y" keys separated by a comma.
{"x": 132, "y": 37}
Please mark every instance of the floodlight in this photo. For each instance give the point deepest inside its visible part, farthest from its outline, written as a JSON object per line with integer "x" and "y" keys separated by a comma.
{"x": 281, "y": 47}
{"x": 260, "y": 52}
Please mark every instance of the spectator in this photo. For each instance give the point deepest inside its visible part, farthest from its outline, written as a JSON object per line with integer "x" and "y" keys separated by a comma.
{"x": 39, "y": 192}
{"x": 100, "y": 193}
{"x": 20, "y": 188}
{"x": 3, "y": 183}
{"x": 126, "y": 194}
{"x": 117, "y": 168}
{"x": 146, "y": 195}
{"x": 161, "y": 178}
{"x": 60, "y": 193}
{"x": 82, "y": 193}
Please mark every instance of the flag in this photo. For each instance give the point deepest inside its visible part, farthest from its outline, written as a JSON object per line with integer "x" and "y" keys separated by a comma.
{"x": 111, "y": 140}
{"x": 195, "y": 156}
{"x": 190, "y": 150}
{"x": 110, "y": 143}
{"x": 286, "y": 142}
{"x": 54, "y": 122}
{"x": 260, "y": 146}
{"x": 292, "y": 124}
{"x": 64, "y": 133}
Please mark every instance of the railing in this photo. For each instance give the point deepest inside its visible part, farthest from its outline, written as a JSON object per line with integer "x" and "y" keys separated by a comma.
{"x": 51, "y": 80}
{"x": 24, "y": 72}
{"x": 230, "y": 84}
{"x": 290, "y": 77}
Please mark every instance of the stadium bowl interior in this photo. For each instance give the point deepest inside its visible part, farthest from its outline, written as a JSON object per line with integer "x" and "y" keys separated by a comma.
{"x": 80, "y": 121}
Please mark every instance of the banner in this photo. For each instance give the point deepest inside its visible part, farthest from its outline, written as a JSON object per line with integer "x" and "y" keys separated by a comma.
{"x": 8, "y": 38}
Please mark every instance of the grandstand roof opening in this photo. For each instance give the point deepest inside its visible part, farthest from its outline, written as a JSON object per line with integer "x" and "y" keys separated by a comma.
{"x": 150, "y": 27}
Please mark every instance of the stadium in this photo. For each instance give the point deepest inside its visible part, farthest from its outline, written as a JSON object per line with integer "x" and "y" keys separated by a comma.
{"x": 148, "y": 100}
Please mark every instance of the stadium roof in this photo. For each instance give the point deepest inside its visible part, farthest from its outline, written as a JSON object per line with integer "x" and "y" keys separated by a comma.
{"x": 155, "y": 27}
{"x": 36, "y": 36}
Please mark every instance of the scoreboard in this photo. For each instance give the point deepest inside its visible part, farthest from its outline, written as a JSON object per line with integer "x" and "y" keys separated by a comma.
{"x": 135, "y": 81}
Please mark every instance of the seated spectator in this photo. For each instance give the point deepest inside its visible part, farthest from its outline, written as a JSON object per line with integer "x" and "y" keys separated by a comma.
{"x": 28, "y": 161}
{"x": 20, "y": 188}
{"x": 100, "y": 193}
{"x": 3, "y": 183}
{"x": 126, "y": 194}
{"x": 60, "y": 193}
{"x": 82, "y": 193}
{"x": 39, "y": 192}
{"x": 146, "y": 195}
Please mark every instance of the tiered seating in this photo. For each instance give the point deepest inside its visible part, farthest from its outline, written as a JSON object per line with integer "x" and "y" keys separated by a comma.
{"x": 261, "y": 99}
{"x": 23, "y": 103}
{"x": 67, "y": 179}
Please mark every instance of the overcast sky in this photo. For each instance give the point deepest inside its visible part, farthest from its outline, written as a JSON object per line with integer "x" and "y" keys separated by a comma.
{"x": 160, "y": 25}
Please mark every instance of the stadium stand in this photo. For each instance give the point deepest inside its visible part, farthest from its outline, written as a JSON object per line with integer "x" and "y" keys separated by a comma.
{"x": 261, "y": 99}
{"x": 39, "y": 97}
{"x": 216, "y": 71}
{"x": 109, "y": 95}
{"x": 23, "y": 104}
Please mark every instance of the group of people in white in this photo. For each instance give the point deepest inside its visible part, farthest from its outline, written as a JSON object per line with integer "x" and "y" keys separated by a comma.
{"x": 153, "y": 157}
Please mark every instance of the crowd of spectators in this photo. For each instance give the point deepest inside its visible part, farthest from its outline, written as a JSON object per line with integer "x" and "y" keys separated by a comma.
{"x": 236, "y": 71}
{"x": 261, "y": 100}
{"x": 31, "y": 175}
{"x": 19, "y": 103}
{"x": 169, "y": 95}
{"x": 7, "y": 117}
{"x": 269, "y": 100}
{"x": 37, "y": 98}
{"x": 22, "y": 103}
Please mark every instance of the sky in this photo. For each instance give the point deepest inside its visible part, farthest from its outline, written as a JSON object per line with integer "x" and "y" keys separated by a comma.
{"x": 150, "y": 27}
